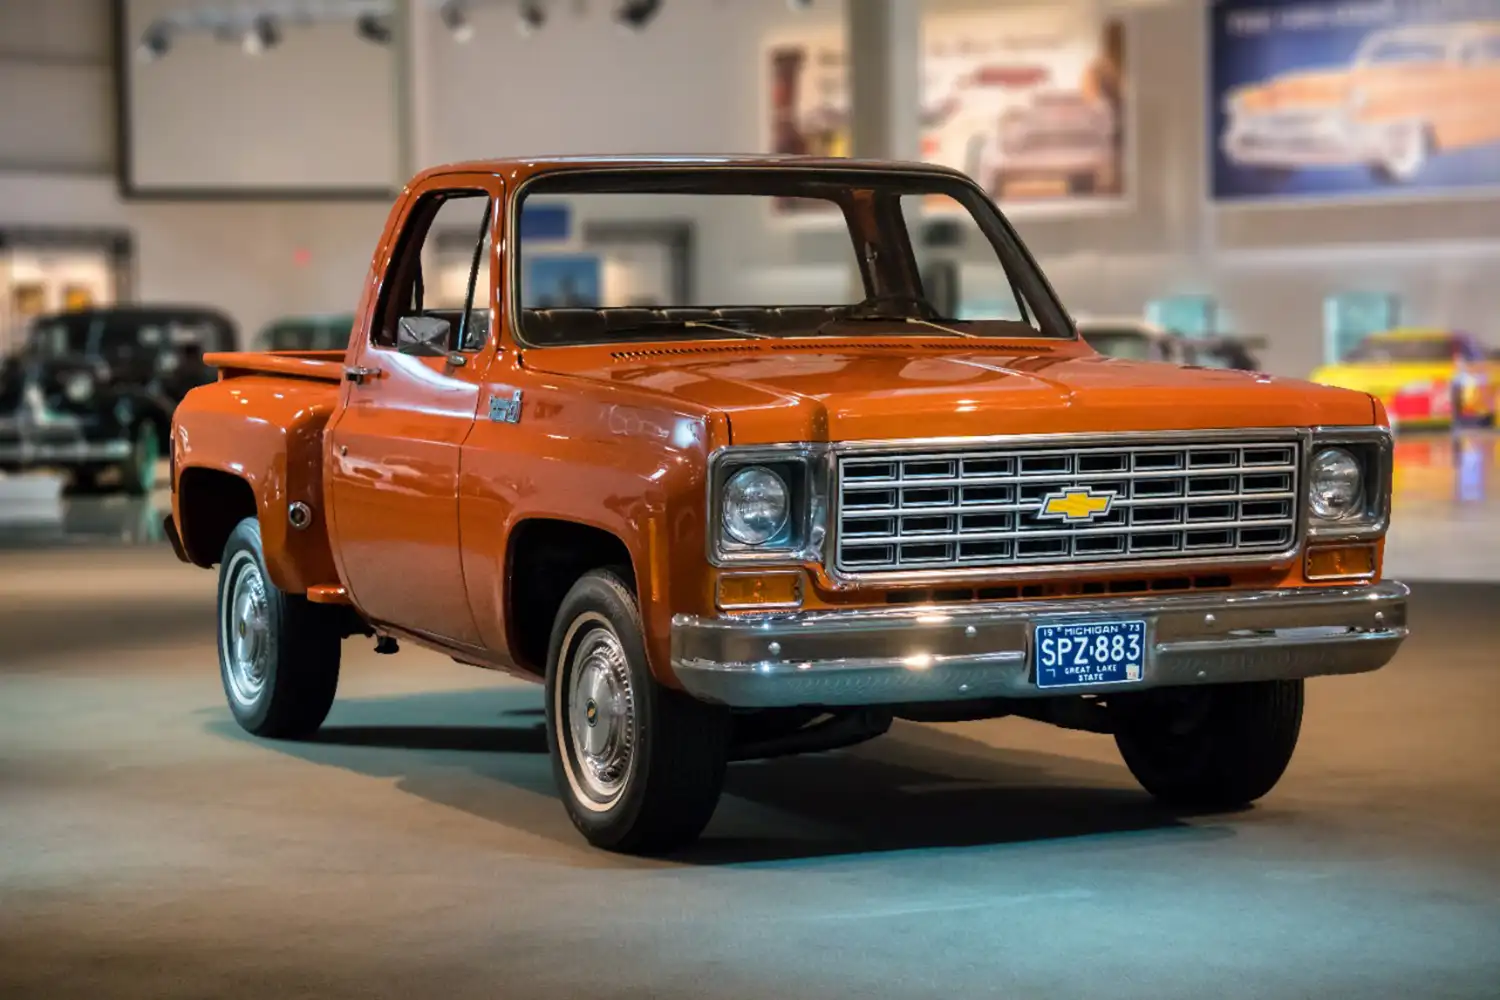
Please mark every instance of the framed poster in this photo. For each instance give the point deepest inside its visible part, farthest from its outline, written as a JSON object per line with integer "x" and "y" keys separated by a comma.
{"x": 1332, "y": 99}
{"x": 1030, "y": 101}
{"x": 256, "y": 100}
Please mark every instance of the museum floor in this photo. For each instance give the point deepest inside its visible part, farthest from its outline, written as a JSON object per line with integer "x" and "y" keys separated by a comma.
{"x": 149, "y": 849}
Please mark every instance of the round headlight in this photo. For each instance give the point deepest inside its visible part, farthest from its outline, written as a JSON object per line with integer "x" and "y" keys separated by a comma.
{"x": 79, "y": 387}
{"x": 1337, "y": 488}
{"x": 755, "y": 505}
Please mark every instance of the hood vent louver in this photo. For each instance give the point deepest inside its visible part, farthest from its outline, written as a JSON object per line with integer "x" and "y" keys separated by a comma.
{"x": 760, "y": 347}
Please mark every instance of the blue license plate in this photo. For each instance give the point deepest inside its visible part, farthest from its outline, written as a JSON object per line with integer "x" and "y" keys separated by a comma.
{"x": 1082, "y": 653}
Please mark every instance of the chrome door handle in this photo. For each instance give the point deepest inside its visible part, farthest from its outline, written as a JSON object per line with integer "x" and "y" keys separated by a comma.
{"x": 359, "y": 375}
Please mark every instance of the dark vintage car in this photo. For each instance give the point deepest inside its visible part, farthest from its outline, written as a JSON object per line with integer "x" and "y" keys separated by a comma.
{"x": 92, "y": 392}
{"x": 306, "y": 333}
{"x": 1137, "y": 340}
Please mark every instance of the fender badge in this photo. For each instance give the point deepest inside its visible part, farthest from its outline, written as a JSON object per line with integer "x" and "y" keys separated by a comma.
{"x": 505, "y": 405}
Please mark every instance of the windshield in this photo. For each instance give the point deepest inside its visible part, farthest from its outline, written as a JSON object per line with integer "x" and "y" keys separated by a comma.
{"x": 754, "y": 253}
{"x": 1406, "y": 50}
{"x": 1385, "y": 350}
{"x": 1130, "y": 344}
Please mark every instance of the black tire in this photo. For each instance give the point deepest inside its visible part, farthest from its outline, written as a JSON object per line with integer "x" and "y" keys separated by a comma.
{"x": 138, "y": 472}
{"x": 1220, "y": 746}
{"x": 676, "y": 748}
{"x": 294, "y": 648}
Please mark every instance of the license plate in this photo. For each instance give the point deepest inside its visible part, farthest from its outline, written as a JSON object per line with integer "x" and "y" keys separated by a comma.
{"x": 1082, "y": 653}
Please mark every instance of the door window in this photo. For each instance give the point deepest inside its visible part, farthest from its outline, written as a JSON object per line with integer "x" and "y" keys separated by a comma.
{"x": 440, "y": 295}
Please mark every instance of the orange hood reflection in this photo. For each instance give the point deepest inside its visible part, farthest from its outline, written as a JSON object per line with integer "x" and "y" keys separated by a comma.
{"x": 890, "y": 388}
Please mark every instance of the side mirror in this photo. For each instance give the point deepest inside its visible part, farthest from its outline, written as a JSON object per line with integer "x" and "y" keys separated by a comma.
{"x": 423, "y": 336}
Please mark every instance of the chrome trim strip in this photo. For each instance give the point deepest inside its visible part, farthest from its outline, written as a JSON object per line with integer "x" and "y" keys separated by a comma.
{"x": 969, "y": 651}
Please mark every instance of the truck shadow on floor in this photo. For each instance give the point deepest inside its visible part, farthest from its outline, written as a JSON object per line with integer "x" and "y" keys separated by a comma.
{"x": 484, "y": 752}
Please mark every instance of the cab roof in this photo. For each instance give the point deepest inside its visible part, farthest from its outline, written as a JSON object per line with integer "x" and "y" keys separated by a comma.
{"x": 520, "y": 168}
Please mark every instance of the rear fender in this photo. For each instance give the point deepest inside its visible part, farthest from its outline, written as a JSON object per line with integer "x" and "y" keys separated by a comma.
{"x": 266, "y": 432}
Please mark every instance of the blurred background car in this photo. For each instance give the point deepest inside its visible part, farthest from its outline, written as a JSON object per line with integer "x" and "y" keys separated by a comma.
{"x": 92, "y": 392}
{"x": 306, "y": 333}
{"x": 1140, "y": 340}
{"x": 1422, "y": 376}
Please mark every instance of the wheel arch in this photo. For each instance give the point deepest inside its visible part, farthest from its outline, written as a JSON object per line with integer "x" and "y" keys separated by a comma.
{"x": 545, "y": 556}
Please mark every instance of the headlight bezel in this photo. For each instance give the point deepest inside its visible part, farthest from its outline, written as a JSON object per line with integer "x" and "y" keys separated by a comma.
{"x": 803, "y": 468}
{"x": 1371, "y": 448}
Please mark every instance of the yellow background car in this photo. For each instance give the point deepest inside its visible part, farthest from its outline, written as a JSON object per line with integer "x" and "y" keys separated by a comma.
{"x": 1422, "y": 376}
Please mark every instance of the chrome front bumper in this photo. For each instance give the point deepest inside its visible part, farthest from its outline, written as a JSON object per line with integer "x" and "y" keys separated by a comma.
{"x": 25, "y": 444}
{"x": 916, "y": 653}
{"x": 33, "y": 453}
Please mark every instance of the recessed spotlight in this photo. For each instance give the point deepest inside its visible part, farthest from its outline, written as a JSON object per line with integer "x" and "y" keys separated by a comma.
{"x": 154, "y": 43}
{"x": 636, "y": 14}
{"x": 373, "y": 28}
{"x": 262, "y": 34}
{"x": 533, "y": 14}
{"x": 456, "y": 19}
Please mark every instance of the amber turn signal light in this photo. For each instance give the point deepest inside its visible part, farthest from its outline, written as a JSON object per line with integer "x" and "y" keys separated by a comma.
{"x": 1341, "y": 562}
{"x": 760, "y": 590}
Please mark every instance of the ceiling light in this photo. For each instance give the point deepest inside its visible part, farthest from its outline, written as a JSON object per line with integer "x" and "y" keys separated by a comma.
{"x": 262, "y": 34}
{"x": 799, "y": 4}
{"x": 533, "y": 15}
{"x": 154, "y": 43}
{"x": 636, "y": 14}
{"x": 456, "y": 19}
{"x": 373, "y": 28}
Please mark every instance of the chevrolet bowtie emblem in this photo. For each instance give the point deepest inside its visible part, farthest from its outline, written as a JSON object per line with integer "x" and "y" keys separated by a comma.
{"x": 1076, "y": 505}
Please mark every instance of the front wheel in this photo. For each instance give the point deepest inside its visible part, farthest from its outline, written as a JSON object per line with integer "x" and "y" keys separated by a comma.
{"x": 639, "y": 765}
{"x": 1220, "y": 746}
{"x": 278, "y": 652}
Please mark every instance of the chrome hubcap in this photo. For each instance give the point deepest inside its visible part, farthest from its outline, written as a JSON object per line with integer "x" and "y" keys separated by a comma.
{"x": 245, "y": 629}
{"x": 600, "y": 714}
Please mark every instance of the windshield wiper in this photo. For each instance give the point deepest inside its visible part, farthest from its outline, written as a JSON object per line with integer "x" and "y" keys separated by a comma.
{"x": 892, "y": 318}
{"x": 693, "y": 324}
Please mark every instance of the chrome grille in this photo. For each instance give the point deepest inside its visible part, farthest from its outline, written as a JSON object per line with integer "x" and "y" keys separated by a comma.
{"x": 944, "y": 510}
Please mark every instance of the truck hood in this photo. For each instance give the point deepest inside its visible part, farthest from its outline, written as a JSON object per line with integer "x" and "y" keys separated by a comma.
{"x": 890, "y": 389}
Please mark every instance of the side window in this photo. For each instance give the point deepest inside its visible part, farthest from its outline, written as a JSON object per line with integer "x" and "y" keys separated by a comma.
{"x": 438, "y": 296}
{"x": 961, "y": 274}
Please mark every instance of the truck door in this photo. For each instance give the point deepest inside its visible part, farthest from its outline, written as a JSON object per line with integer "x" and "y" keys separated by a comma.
{"x": 410, "y": 395}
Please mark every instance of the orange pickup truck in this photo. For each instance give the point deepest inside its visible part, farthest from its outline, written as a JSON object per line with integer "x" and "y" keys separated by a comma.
{"x": 718, "y": 532}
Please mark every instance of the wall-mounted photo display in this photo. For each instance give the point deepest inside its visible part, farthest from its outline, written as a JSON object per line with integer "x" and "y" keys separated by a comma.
{"x": 1031, "y": 102}
{"x": 269, "y": 100}
{"x": 1333, "y": 99}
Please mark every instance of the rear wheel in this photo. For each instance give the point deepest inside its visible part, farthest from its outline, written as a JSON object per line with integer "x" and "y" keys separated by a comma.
{"x": 138, "y": 472}
{"x": 278, "y": 652}
{"x": 639, "y": 766}
{"x": 1215, "y": 747}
